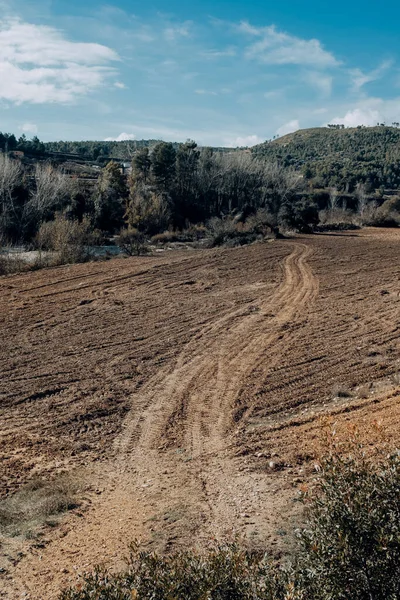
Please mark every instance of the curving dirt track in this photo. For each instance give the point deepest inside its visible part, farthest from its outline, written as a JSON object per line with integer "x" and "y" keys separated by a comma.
{"x": 188, "y": 388}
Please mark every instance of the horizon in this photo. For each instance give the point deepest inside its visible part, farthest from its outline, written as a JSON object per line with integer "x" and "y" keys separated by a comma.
{"x": 224, "y": 74}
{"x": 330, "y": 127}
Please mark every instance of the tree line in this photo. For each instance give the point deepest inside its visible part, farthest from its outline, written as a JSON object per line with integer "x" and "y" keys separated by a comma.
{"x": 168, "y": 187}
{"x": 9, "y": 143}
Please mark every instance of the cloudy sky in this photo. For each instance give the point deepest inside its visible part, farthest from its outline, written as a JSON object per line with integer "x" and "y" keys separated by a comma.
{"x": 221, "y": 72}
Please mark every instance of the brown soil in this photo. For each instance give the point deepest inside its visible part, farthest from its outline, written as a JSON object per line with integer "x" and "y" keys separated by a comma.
{"x": 189, "y": 390}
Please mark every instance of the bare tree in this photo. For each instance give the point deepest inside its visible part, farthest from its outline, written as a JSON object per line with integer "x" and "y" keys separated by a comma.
{"x": 279, "y": 186}
{"x": 11, "y": 174}
{"x": 361, "y": 196}
{"x": 239, "y": 180}
{"x": 333, "y": 199}
{"x": 52, "y": 188}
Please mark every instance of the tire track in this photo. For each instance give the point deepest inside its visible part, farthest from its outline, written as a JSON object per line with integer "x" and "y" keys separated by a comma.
{"x": 198, "y": 394}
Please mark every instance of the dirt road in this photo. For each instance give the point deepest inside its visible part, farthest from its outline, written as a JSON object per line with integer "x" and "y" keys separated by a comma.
{"x": 188, "y": 388}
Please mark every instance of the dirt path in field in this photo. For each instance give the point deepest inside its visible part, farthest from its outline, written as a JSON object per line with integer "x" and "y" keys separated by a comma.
{"x": 192, "y": 404}
{"x": 218, "y": 364}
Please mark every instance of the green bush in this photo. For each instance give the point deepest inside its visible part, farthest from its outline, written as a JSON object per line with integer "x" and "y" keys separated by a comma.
{"x": 224, "y": 573}
{"x": 349, "y": 549}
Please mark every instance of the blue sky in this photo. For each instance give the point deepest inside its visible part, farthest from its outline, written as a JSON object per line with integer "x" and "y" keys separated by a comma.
{"x": 222, "y": 73}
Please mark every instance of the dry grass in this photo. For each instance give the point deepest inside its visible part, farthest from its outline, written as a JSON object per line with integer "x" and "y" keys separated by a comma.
{"x": 12, "y": 264}
{"x": 38, "y": 502}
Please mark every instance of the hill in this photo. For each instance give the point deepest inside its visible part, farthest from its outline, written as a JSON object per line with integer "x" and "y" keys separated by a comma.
{"x": 340, "y": 157}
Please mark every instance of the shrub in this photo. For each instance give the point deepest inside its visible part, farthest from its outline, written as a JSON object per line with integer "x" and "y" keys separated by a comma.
{"x": 168, "y": 237}
{"x": 238, "y": 231}
{"x": 68, "y": 239}
{"x": 387, "y": 215}
{"x": 132, "y": 242}
{"x": 227, "y": 232}
{"x": 262, "y": 223}
{"x": 336, "y": 219}
{"x": 224, "y": 573}
{"x": 148, "y": 211}
{"x": 192, "y": 234}
{"x": 11, "y": 264}
{"x": 299, "y": 216}
{"x": 348, "y": 549}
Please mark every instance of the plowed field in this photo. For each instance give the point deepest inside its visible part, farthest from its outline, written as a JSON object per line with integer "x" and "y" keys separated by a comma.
{"x": 189, "y": 390}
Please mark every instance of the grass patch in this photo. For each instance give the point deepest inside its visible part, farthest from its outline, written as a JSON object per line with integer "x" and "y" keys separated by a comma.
{"x": 38, "y": 503}
{"x": 12, "y": 264}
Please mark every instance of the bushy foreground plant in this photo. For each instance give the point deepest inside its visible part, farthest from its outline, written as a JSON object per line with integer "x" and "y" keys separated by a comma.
{"x": 132, "y": 242}
{"x": 69, "y": 240}
{"x": 349, "y": 549}
{"x": 224, "y": 573}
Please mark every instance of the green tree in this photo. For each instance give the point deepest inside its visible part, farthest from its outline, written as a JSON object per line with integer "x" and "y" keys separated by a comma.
{"x": 163, "y": 165}
{"x": 110, "y": 197}
{"x": 187, "y": 160}
{"x": 141, "y": 165}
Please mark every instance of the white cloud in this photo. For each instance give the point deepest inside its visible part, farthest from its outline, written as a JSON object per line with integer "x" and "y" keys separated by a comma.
{"x": 320, "y": 81}
{"x": 38, "y": 65}
{"x": 120, "y": 85}
{"x": 273, "y": 94}
{"x": 370, "y": 111}
{"x": 173, "y": 33}
{"x": 293, "y": 125}
{"x": 359, "y": 78}
{"x": 202, "y": 92}
{"x": 122, "y": 137}
{"x": 249, "y": 140}
{"x": 29, "y": 128}
{"x": 227, "y": 52}
{"x": 207, "y": 137}
{"x": 280, "y": 48}
{"x": 359, "y": 116}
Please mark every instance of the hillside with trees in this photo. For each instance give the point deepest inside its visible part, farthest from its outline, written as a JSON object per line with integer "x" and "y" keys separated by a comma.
{"x": 334, "y": 156}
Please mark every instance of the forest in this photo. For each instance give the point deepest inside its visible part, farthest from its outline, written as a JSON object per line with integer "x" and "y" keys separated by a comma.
{"x": 166, "y": 188}
{"x": 343, "y": 158}
{"x": 305, "y": 181}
